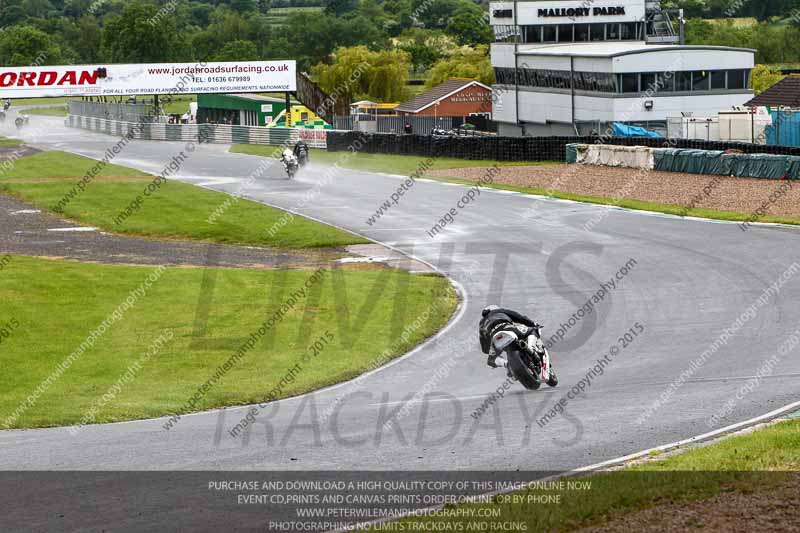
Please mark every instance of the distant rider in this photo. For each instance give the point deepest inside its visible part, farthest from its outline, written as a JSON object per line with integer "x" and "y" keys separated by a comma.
{"x": 495, "y": 318}
{"x": 301, "y": 152}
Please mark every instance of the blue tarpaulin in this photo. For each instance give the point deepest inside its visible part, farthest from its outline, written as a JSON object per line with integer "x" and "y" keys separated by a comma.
{"x": 623, "y": 130}
{"x": 785, "y": 129}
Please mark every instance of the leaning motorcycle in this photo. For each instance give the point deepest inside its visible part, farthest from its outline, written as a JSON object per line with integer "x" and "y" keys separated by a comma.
{"x": 526, "y": 357}
{"x": 289, "y": 163}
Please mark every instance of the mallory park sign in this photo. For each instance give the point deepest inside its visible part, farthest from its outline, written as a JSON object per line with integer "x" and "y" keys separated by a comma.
{"x": 581, "y": 12}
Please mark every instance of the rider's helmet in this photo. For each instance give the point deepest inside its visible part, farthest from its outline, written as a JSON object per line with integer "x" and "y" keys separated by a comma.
{"x": 488, "y": 309}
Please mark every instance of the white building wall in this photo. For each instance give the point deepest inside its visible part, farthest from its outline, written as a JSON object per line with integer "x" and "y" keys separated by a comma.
{"x": 683, "y": 58}
{"x": 504, "y": 106}
{"x": 671, "y": 106}
{"x": 502, "y": 55}
{"x": 544, "y": 107}
{"x": 528, "y": 12}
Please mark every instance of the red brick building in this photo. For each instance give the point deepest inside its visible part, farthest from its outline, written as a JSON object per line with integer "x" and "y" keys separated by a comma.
{"x": 453, "y": 98}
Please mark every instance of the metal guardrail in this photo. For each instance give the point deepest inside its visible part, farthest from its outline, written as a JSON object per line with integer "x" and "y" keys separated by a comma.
{"x": 113, "y": 111}
{"x": 200, "y": 133}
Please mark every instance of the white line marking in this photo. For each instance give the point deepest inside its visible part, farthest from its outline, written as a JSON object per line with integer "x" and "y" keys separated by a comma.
{"x": 80, "y": 229}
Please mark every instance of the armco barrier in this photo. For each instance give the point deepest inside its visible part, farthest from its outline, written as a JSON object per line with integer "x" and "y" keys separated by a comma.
{"x": 201, "y": 133}
{"x": 522, "y": 148}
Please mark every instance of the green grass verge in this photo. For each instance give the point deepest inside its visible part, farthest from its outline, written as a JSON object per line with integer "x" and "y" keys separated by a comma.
{"x": 60, "y": 111}
{"x": 15, "y": 102}
{"x": 746, "y": 462}
{"x": 51, "y": 306}
{"x": 4, "y": 141}
{"x": 176, "y": 210}
{"x": 389, "y": 163}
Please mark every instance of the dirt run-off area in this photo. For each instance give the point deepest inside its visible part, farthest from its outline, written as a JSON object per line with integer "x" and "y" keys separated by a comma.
{"x": 777, "y": 509}
{"x": 741, "y": 195}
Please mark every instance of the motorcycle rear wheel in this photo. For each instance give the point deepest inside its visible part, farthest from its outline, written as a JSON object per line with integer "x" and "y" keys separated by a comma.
{"x": 521, "y": 371}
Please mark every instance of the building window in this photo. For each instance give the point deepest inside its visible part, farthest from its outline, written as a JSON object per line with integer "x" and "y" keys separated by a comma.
{"x": 504, "y": 75}
{"x": 532, "y": 34}
{"x": 565, "y": 33}
{"x": 718, "y": 79}
{"x": 665, "y": 82}
{"x": 581, "y": 33}
{"x": 628, "y": 31}
{"x": 630, "y": 83}
{"x": 649, "y": 83}
{"x": 506, "y": 34}
{"x": 598, "y": 32}
{"x": 549, "y": 34}
{"x": 612, "y": 32}
{"x": 737, "y": 79}
{"x": 701, "y": 81}
{"x": 683, "y": 81}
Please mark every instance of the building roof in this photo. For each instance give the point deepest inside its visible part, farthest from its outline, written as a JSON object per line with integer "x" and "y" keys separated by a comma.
{"x": 437, "y": 94}
{"x": 785, "y": 93}
{"x": 614, "y": 49}
{"x": 258, "y": 97}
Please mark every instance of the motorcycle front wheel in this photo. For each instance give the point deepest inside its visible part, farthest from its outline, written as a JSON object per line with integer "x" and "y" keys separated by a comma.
{"x": 521, "y": 371}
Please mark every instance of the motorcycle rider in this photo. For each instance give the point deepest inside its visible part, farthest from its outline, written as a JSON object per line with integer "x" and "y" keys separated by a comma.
{"x": 286, "y": 158}
{"x": 301, "y": 152}
{"x": 494, "y": 318}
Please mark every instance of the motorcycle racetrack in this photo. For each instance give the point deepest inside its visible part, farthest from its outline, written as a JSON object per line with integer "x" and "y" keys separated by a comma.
{"x": 654, "y": 324}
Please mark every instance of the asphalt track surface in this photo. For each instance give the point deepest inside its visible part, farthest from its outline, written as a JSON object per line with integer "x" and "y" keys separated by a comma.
{"x": 691, "y": 280}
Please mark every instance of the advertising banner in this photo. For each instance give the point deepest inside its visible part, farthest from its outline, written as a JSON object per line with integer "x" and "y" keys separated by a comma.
{"x": 154, "y": 78}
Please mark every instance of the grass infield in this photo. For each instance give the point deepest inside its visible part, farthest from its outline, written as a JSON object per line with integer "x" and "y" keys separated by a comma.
{"x": 51, "y": 307}
{"x": 174, "y": 210}
{"x": 59, "y": 111}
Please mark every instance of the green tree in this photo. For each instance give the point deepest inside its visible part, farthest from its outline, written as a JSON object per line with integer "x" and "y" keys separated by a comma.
{"x": 140, "y": 35}
{"x": 25, "y": 45}
{"x": 278, "y": 48}
{"x": 764, "y": 77}
{"x": 464, "y": 63}
{"x": 338, "y": 8}
{"x": 244, "y": 6}
{"x": 469, "y": 26}
{"x": 358, "y": 72}
{"x": 238, "y": 50}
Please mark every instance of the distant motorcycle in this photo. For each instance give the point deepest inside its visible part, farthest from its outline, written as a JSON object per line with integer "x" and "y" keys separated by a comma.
{"x": 21, "y": 121}
{"x": 525, "y": 355}
{"x": 302, "y": 159}
{"x": 290, "y": 163}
